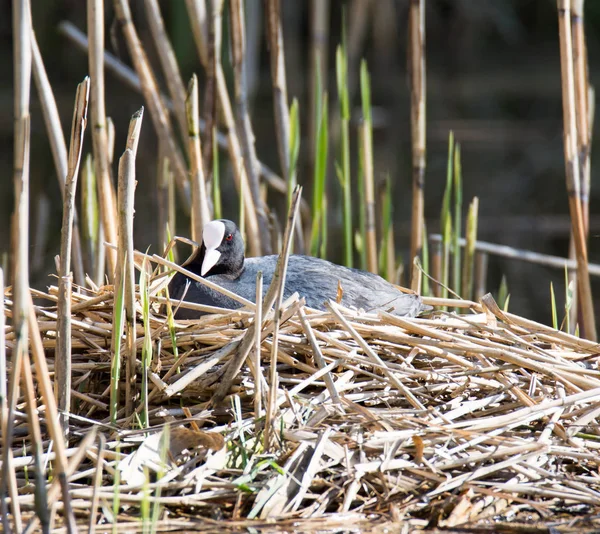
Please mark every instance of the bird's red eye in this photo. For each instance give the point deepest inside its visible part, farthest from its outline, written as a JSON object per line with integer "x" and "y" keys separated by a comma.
{"x": 229, "y": 237}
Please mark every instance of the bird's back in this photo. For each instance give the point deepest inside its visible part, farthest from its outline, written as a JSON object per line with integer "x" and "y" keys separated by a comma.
{"x": 312, "y": 278}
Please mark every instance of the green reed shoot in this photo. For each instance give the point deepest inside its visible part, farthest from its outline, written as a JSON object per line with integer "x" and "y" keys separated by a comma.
{"x": 147, "y": 343}
{"x": 471, "y": 241}
{"x": 294, "y": 148}
{"x": 145, "y": 502}
{"x": 319, "y": 219}
{"x": 363, "y": 175}
{"x": 116, "y": 501}
{"x": 456, "y": 249}
{"x": 503, "y": 294}
{"x": 343, "y": 166}
{"x": 569, "y": 298}
{"x": 553, "y": 307}
{"x": 115, "y": 370}
{"x": 425, "y": 289}
{"x": 446, "y": 218}
{"x": 386, "y": 229}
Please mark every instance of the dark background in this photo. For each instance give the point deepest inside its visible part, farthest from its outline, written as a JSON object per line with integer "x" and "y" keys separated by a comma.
{"x": 493, "y": 76}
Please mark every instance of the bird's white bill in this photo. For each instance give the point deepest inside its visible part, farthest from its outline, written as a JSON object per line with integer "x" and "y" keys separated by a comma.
{"x": 210, "y": 260}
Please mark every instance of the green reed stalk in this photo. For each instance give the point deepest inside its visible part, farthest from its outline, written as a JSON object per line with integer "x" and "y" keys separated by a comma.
{"x": 319, "y": 219}
{"x": 458, "y": 201}
{"x": 147, "y": 344}
{"x": 294, "y": 149}
{"x": 446, "y": 218}
{"x": 343, "y": 167}
{"x": 471, "y": 240}
{"x": 115, "y": 369}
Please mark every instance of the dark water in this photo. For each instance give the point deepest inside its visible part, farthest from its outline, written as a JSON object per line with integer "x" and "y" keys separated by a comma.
{"x": 493, "y": 77}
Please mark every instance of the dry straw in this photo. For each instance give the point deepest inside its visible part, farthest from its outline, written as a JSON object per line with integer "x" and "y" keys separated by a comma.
{"x": 500, "y": 407}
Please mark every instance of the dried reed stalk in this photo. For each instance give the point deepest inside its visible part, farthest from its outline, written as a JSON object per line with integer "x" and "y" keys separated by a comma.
{"x": 213, "y": 53}
{"x": 154, "y": 101}
{"x": 228, "y": 141}
{"x": 63, "y": 342}
{"x": 244, "y": 125}
{"x": 31, "y": 408}
{"x": 21, "y": 25}
{"x": 52, "y": 420}
{"x": 538, "y": 258}
{"x": 58, "y": 146}
{"x": 125, "y": 255}
{"x": 197, "y": 14}
{"x": 201, "y": 213}
{"x": 280, "y": 99}
{"x": 168, "y": 63}
{"x": 418, "y": 122}
{"x": 106, "y": 190}
{"x": 582, "y": 115}
{"x": 573, "y": 170}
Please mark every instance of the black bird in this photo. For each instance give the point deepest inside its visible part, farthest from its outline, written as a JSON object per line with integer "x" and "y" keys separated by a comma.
{"x": 221, "y": 260}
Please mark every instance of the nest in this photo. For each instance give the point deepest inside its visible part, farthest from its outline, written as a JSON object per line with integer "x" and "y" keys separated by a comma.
{"x": 454, "y": 420}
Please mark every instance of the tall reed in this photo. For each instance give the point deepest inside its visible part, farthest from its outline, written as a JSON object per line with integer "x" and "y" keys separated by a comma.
{"x": 572, "y": 166}
{"x": 416, "y": 50}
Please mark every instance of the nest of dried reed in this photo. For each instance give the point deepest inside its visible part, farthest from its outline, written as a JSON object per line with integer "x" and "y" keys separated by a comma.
{"x": 440, "y": 422}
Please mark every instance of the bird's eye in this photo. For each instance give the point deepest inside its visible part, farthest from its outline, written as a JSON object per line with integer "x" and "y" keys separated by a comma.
{"x": 229, "y": 237}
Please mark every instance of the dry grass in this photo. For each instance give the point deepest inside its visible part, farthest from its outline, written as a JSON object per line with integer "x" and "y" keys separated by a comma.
{"x": 436, "y": 422}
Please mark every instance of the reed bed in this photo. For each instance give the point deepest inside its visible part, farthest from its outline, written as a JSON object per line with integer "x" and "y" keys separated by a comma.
{"x": 453, "y": 419}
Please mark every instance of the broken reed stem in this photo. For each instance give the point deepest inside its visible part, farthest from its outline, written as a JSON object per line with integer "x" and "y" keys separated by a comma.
{"x": 58, "y": 146}
{"x": 572, "y": 170}
{"x": 200, "y": 209}
{"x": 62, "y": 361}
{"x": 244, "y": 125}
{"x": 275, "y": 296}
{"x": 125, "y": 253}
{"x": 168, "y": 63}
{"x": 154, "y": 101}
{"x": 197, "y": 16}
{"x": 106, "y": 191}
{"x": 235, "y": 364}
{"x": 418, "y": 123}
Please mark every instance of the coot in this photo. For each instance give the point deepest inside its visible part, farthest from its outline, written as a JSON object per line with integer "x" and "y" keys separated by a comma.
{"x": 221, "y": 259}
